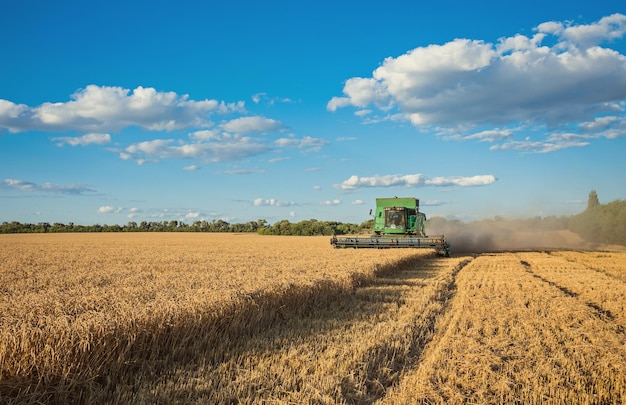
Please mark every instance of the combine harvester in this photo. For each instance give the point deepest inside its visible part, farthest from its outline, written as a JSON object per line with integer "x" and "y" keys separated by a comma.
{"x": 397, "y": 224}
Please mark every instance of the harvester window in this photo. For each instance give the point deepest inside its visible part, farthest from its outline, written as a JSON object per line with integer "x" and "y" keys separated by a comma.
{"x": 395, "y": 218}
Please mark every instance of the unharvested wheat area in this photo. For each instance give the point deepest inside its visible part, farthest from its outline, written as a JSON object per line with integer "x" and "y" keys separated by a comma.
{"x": 175, "y": 318}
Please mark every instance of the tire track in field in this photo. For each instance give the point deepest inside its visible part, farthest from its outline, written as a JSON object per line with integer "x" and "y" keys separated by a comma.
{"x": 621, "y": 278}
{"x": 600, "y": 312}
{"x": 420, "y": 334}
{"x": 370, "y": 333}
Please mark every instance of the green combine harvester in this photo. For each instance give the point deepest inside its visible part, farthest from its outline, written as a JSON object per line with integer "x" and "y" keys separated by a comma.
{"x": 398, "y": 223}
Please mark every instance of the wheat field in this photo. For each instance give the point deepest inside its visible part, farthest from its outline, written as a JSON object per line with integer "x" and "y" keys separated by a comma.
{"x": 240, "y": 318}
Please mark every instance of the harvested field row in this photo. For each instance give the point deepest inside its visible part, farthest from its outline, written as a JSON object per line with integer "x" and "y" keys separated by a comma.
{"x": 510, "y": 337}
{"x": 604, "y": 291}
{"x": 609, "y": 263}
{"x": 83, "y": 315}
{"x": 350, "y": 351}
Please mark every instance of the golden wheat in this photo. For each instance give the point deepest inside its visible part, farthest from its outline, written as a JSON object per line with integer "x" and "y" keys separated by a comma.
{"x": 85, "y": 309}
{"x": 221, "y": 318}
{"x": 513, "y": 336}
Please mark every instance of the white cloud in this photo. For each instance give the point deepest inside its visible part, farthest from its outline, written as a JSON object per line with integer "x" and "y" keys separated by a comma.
{"x": 603, "y": 123}
{"x": 214, "y": 147}
{"x": 224, "y": 148}
{"x": 361, "y": 92}
{"x": 480, "y": 180}
{"x": 413, "y": 180}
{"x": 88, "y": 139}
{"x": 258, "y": 96}
{"x": 381, "y": 181}
{"x": 491, "y": 135}
{"x": 191, "y": 168}
{"x": 331, "y": 202}
{"x": 357, "y": 202}
{"x": 23, "y": 185}
{"x": 259, "y": 202}
{"x": 585, "y": 36}
{"x": 248, "y": 125}
{"x": 263, "y": 97}
{"x": 108, "y": 108}
{"x": 465, "y": 84}
{"x": 108, "y": 209}
{"x": 13, "y": 116}
{"x": 204, "y": 135}
{"x": 528, "y": 146}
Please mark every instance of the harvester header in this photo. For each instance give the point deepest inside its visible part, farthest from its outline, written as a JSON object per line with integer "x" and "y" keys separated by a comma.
{"x": 398, "y": 223}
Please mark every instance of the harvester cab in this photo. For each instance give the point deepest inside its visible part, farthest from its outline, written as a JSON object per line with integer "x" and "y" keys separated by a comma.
{"x": 398, "y": 223}
{"x": 398, "y": 216}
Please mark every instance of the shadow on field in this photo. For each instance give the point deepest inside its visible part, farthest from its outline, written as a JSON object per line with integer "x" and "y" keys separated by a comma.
{"x": 320, "y": 316}
{"x": 133, "y": 362}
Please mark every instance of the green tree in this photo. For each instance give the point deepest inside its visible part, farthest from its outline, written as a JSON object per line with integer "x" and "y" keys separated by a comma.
{"x": 592, "y": 201}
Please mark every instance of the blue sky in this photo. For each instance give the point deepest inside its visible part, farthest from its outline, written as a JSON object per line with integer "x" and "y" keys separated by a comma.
{"x": 114, "y": 111}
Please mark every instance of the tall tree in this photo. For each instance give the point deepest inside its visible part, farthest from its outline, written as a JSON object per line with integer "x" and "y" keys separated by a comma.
{"x": 593, "y": 201}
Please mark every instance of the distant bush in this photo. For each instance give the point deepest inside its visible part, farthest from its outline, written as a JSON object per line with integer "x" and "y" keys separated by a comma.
{"x": 602, "y": 223}
{"x": 311, "y": 227}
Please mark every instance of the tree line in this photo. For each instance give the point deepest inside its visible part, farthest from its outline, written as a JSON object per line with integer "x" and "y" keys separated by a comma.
{"x": 309, "y": 227}
{"x": 599, "y": 223}
{"x": 144, "y": 226}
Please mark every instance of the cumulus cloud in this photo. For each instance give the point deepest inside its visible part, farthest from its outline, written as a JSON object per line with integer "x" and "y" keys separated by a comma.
{"x": 585, "y": 36}
{"x": 413, "y": 180}
{"x": 466, "y": 84}
{"x": 255, "y": 124}
{"x": 110, "y": 108}
{"x": 215, "y": 146}
{"x": 331, "y": 202}
{"x": 88, "y": 139}
{"x": 22, "y": 185}
{"x": 260, "y": 202}
{"x": 108, "y": 209}
{"x": 223, "y": 148}
{"x": 229, "y": 141}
